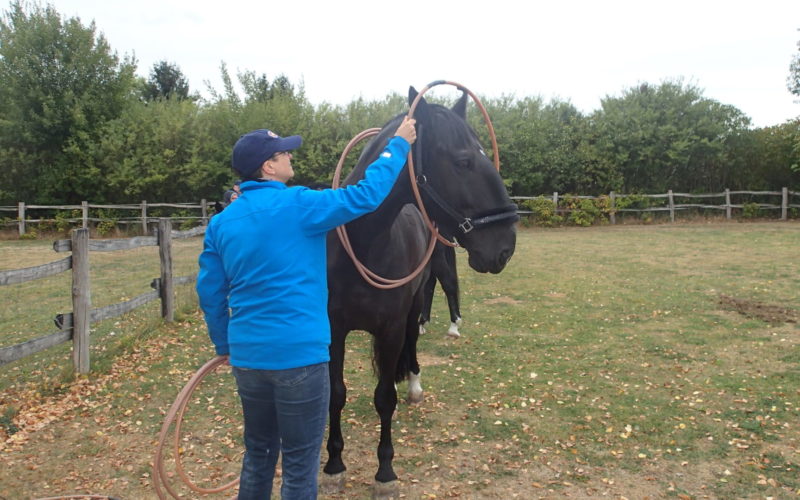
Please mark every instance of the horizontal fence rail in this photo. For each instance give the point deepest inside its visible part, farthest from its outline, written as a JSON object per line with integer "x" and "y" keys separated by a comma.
{"x": 74, "y": 325}
{"x": 616, "y": 202}
{"x": 15, "y": 276}
{"x": 22, "y": 209}
{"x": 144, "y": 220}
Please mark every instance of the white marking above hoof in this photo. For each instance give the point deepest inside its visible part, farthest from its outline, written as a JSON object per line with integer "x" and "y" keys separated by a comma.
{"x": 415, "y": 392}
{"x": 333, "y": 483}
{"x": 453, "y": 331}
{"x": 422, "y": 329}
{"x": 386, "y": 491}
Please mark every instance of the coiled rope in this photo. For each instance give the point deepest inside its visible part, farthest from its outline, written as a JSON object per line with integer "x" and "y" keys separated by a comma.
{"x": 175, "y": 415}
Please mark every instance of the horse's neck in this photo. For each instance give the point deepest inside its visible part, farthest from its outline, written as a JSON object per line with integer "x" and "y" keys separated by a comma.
{"x": 364, "y": 230}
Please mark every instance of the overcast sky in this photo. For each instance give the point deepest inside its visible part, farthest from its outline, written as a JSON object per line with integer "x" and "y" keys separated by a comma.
{"x": 737, "y": 52}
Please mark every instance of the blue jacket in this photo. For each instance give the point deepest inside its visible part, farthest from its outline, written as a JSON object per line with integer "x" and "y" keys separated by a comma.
{"x": 263, "y": 271}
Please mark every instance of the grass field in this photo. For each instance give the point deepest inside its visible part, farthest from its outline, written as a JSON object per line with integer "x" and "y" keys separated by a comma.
{"x": 636, "y": 361}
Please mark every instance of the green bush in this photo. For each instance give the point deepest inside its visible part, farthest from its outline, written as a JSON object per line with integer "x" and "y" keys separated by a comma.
{"x": 108, "y": 222}
{"x": 637, "y": 201}
{"x": 544, "y": 212}
{"x": 751, "y": 210}
{"x": 583, "y": 211}
{"x": 185, "y": 224}
{"x": 63, "y": 220}
{"x": 30, "y": 234}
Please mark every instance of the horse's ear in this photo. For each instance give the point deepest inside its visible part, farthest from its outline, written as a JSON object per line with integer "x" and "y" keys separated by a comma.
{"x": 412, "y": 94}
{"x": 422, "y": 106}
{"x": 460, "y": 107}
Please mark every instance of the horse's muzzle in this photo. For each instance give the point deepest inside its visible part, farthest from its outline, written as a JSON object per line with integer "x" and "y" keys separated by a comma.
{"x": 491, "y": 265}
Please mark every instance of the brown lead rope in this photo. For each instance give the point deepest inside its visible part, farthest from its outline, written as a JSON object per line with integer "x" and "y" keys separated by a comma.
{"x": 369, "y": 276}
{"x": 175, "y": 414}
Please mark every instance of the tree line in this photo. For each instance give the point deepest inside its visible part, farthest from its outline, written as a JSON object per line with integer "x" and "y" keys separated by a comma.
{"x": 76, "y": 123}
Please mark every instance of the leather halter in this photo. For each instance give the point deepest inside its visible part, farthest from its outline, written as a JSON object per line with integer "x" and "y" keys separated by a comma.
{"x": 464, "y": 223}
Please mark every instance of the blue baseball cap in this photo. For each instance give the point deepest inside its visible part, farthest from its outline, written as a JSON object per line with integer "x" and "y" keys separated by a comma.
{"x": 254, "y": 148}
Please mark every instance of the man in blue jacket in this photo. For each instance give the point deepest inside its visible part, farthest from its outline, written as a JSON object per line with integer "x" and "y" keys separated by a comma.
{"x": 263, "y": 288}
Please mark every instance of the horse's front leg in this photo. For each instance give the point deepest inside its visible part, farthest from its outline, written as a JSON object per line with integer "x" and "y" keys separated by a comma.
{"x": 385, "y": 399}
{"x": 335, "y": 464}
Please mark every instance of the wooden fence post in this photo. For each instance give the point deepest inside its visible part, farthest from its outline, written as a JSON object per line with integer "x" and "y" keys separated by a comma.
{"x": 727, "y": 203}
{"x": 785, "y": 203}
{"x": 85, "y": 214}
{"x": 81, "y": 300}
{"x": 671, "y": 206}
{"x": 204, "y": 211}
{"x": 144, "y": 217}
{"x": 555, "y": 202}
{"x": 612, "y": 213}
{"x": 165, "y": 253}
{"x": 21, "y": 218}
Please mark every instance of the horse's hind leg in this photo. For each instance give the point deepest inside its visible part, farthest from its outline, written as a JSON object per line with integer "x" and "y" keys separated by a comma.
{"x": 449, "y": 280}
{"x": 335, "y": 445}
{"x": 415, "y": 393}
{"x": 427, "y": 293}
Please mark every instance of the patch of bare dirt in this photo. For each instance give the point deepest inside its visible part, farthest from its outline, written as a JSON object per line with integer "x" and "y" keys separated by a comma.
{"x": 502, "y": 300}
{"x": 426, "y": 359}
{"x": 768, "y": 313}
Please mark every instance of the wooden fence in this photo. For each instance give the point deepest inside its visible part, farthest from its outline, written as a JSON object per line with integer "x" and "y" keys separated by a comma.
{"x": 140, "y": 213}
{"x": 614, "y": 205}
{"x": 685, "y": 201}
{"x": 75, "y": 325}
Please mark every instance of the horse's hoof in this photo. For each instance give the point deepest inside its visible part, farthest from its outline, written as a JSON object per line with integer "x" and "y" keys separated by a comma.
{"x": 386, "y": 491}
{"x": 415, "y": 398}
{"x": 332, "y": 483}
{"x": 421, "y": 330}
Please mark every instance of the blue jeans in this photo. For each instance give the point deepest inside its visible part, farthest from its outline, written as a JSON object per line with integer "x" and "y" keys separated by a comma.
{"x": 284, "y": 412}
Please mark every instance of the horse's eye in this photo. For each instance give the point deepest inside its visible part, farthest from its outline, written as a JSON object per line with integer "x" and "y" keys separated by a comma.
{"x": 462, "y": 162}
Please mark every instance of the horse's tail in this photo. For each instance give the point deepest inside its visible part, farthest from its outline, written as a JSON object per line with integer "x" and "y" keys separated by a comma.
{"x": 404, "y": 362}
{"x": 407, "y": 359}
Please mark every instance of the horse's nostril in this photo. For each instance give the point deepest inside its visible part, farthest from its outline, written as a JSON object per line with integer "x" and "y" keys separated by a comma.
{"x": 505, "y": 256}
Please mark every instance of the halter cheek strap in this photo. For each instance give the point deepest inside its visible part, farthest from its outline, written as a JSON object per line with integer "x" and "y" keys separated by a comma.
{"x": 465, "y": 224}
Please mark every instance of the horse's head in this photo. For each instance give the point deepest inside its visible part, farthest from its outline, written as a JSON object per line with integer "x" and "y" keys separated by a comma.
{"x": 462, "y": 190}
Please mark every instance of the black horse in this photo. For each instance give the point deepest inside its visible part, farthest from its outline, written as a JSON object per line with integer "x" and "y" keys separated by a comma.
{"x": 464, "y": 194}
{"x": 443, "y": 270}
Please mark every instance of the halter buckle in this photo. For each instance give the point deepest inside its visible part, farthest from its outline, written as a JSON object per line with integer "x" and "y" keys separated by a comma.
{"x": 466, "y": 226}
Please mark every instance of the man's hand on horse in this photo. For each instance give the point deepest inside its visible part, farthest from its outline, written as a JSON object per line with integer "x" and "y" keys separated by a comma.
{"x": 407, "y": 131}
